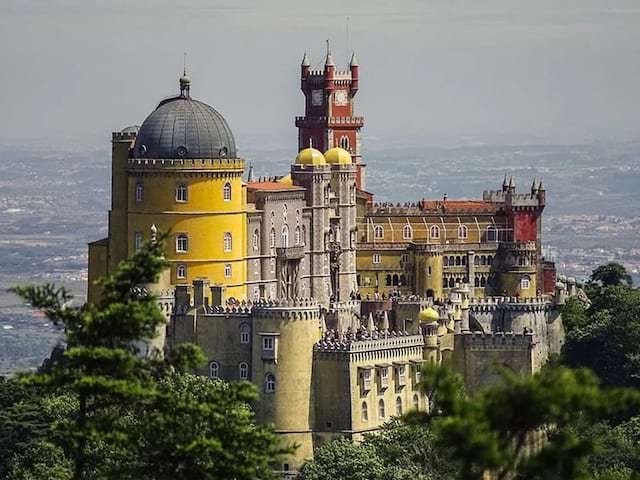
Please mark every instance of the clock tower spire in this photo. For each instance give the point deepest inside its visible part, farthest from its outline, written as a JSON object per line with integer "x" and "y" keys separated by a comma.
{"x": 329, "y": 119}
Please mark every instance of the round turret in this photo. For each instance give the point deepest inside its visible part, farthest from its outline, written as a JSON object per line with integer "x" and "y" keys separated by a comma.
{"x": 428, "y": 315}
{"x": 310, "y": 156}
{"x": 337, "y": 155}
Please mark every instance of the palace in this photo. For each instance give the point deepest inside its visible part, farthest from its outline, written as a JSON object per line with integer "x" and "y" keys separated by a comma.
{"x": 328, "y": 301}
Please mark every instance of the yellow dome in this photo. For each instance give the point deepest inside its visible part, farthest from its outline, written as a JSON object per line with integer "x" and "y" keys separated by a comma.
{"x": 286, "y": 180}
{"x": 428, "y": 315}
{"x": 310, "y": 156}
{"x": 337, "y": 155}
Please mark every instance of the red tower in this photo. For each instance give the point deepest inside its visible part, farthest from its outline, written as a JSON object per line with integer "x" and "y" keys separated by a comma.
{"x": 329, "y": 119}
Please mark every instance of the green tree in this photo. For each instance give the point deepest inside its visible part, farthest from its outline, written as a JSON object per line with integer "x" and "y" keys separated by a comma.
{"x": 604, "y": 335}
{"x": 344, "y": 460}
{"x": 135, "y": 417}
{"x": 612, "y": 274}
{"x": 522, "y": 427}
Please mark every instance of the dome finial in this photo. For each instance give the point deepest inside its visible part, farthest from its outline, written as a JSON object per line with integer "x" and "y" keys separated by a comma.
{"x": 185, "y": 80}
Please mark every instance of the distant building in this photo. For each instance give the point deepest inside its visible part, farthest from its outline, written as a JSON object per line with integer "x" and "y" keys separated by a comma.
{"x": 302, "y": 284}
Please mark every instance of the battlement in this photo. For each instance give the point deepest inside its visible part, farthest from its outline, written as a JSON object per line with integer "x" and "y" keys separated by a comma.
{"x": 330, "y": 121}
{"x": 124, "y": 136}
{"x": 389, "y": 341}
{"x": 302, "y": 309}
{"x": 518, "y": 247}
{"x": 510, "y": 341}
{"x": 238, "y": 310}
{"x": 489, "y": 304}
{"x": 236, "y": 164}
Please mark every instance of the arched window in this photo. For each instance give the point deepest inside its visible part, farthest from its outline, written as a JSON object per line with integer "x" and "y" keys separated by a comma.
{"x": 416, "y": 402}
{"x": 181, "y": 271}
{"x": 226, "y": 192}
{"x": 381, "y": 409}
{"x": 365, "y": 412}
{"x": 407, "y": 232}
{"x": 464, "y": 260}
{"x": 304, "y": 235}
{"x": 285, "y": 236}
{"x": 434, "y": 231}
{"x": 227, "y": 270}
{"x": 344, "y": 142}
{"x": 137, "y": 241}
{"x": 489, "y": 260}
{"x": 378, "y": 232}
{"x": 256, "y": 239}
{"x": 353, "y": 194}
{"x": 445, "y": 261}
{"x": 245, "y": 332}
{"x": 272, "y": 238}
{"x": 298, "y": 235}
{"x": 284, "y": 211}
{"x": 483, "y": 281}
{"x": 462, "y": 232}
{"x": 269, "y": 383}
{"x": 483, "y": 260}
{"x": 182, "y": 243}
{"x": 492, "y": 234}
{"x": 403, "y": 280}
{"x": 395, "y": 280}
{"x": 387, "y": 281}
{"x": 228, "y": 241}
{"x": 398, "y": 406}
{"x": 243, "y": 370}
{"x": 452, "y": 282}
{"x": 476, "y": 260}
{"x": 139, "y": 192}
{"x": 214, "y": 370}
{"x": 181, "y": 192}
{"x": 452, "y": 260}
{"x": 458, "y": 261}
{"x": 525, "y": 282}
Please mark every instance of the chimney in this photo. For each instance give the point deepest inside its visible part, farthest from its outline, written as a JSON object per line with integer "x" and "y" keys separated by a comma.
{"x": 200, "y": 298}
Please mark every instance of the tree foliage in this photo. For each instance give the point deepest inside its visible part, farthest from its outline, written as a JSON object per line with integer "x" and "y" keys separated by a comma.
{"x": 611, "y": 275}
{"x": 604, "y": 335}
{"x": 522, "y": 427}
{"x": 132, "y": 415}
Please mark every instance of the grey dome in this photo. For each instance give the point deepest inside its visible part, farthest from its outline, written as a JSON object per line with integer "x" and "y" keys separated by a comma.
{"x": 181, "y": 127}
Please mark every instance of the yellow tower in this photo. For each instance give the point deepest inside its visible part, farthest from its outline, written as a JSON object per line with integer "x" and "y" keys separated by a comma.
{"x": 182, "y": 175}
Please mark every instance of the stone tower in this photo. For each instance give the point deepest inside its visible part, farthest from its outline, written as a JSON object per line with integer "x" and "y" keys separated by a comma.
{"x": 284, "y": 334}
{"x": 329, "y": 119}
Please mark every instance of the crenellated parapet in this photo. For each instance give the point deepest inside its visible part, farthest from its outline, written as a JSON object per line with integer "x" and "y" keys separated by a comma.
{"x": 505, "y": 341}
{"x": 388, "y": 346}
{"x": 214, "y": 164}
{"x": 300, "y": 309}
{"x": 514, "y": 304}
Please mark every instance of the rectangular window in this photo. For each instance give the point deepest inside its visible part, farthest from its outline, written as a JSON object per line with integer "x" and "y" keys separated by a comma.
{"x": 181, "y": 193}
{"x": 376, "y": 258}
{"x": 139, "y": 192}
{"x": 365, "y": 378}
{"x": 383, "y": 377}
{"x": 137, "y": 241}
{"x": 268, "y": 347}
{"x": 404, "y": 258}
{"x": 227, "y": 270}
{"x": 267, "y": 343}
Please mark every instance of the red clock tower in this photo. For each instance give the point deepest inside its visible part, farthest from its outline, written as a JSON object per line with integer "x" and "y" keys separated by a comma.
{"x": 329, "y": 119}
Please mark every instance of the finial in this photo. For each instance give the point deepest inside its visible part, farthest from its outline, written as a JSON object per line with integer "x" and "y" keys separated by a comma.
{"x": 250, "y": 177}
{"x": 310, "y": 142}
{"x": 305, "y": 60}
{"x": 185, "y": 80}
{"x": 329, "y": 59}
{"x": 354, "y": 61}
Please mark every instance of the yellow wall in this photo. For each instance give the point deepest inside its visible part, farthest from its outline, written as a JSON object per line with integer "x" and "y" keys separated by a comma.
{"x": 98, "y": 267}
{"x": 205, "y": 217}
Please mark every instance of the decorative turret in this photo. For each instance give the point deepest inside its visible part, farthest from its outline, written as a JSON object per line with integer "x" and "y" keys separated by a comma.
{"x": 329, "y": 70}
{"x": 185, "y": 85}
{"x": 355, "y": 80}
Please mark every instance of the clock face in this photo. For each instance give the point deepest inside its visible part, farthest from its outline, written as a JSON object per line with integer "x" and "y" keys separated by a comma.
{"x": 316, "y": 98}
{"x": 341, "y": 97}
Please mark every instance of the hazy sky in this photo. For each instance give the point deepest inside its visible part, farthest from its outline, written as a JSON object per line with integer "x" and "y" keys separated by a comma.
{"x": 435, "y": 71}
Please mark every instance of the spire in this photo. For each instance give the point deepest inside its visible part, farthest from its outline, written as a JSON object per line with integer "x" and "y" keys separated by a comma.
{"x": 540, "y": 186}
{"x": 370, "y": 325}
{"x": 329, "y": 59}
{"x": 505, "y": 184}
{"x": 185, "y": 80}
{"x": 512, "y": 184}
{"x": 385, "y": 321}
{"x": 354, "y": 60}
{"x": 534, "y": 188}
{"x": 305, "y": 60}
{"x": 250, "y": 176}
